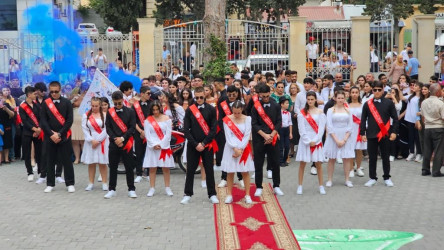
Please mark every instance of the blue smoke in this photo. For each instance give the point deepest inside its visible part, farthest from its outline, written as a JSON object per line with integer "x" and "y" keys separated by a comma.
{"x": 118, "y": 76}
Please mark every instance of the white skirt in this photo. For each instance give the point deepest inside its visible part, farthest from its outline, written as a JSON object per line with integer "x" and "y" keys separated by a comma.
{"x": 304, "y": 154}
{"x": 152, "y": 160}
{"x": 332, "y": 151}
{"x": 354, "y": 136}
{"x": 232, "y": 165}
{"x": 94, "y": 156}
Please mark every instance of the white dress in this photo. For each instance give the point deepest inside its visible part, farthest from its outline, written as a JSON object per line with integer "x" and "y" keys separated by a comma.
{"x": 230, "y": 164}
{"x": 152, "y": 156}
{"x": 339, "y": 124}
{"x": 90, "y": 155}
{"x": 354, "y": 136}
{"x": 308, "y": 135}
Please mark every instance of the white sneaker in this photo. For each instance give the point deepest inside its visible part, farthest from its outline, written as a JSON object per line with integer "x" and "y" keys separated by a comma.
{"x": 299, "y": 190}
{"x": 248, "y": 199}
{"x": 391, "y": 158}
{"x": 410, "y": 157}
{"x": 322, "y": 190}
{"x": 138, "y": 179}
{"x": 258, "y": 192}
{"x": 71, "y": 189}
{"x": 328, "y": 184}
{"x": 89, "y": 187}
{"x": 242, "y": 184}
{"x": 111, "y": 193}
{"x": 40, "y": 180}
{"x": 370, "y": 183}
{"x": 105, "y": 187}
{"x": 269, "y": 174}
{"x": 60, "y": 180}
{"x": 30, "y": 177}
{"x": 339, "y": 160}
{"x": 349, "y": 184}
{"x": 223, "y": 183}
{"x": 35, "y": 169}
{"x": 253, "y": 175}
{"x": 313, "y": 171}
{"x": 360, "y": 172}
{"x": 389, "y": 183}
{"x": 99, "y": 179}
{"x": 204, "y": 184}
{"x": 352, "y": 173}
{"x": 168, "y": 191}
{"x": 151, "y": 192}
{"x": 229, "y": 199}
{"x": 214, "y": 199}
{"x": 132, "y": 194}
{"x": 185, "y": 200}
{"x": 48, "y": 189}
{"x": 278, "y": 191}
{"x": 418, "y": 158}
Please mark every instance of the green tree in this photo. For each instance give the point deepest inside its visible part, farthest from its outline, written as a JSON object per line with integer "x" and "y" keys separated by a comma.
{"x": 122, "y": 15}
{"x": 274, "y": 9}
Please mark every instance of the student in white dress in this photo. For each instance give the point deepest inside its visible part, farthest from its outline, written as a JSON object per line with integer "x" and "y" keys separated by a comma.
{"x": 311, "y": 124}
{"x": 95, "y": 148}
{"x": 237, "y": 155}
{"x": 338, "y": 143}
{"x": 158, "y": 129}
{"x": 355, "y": 107}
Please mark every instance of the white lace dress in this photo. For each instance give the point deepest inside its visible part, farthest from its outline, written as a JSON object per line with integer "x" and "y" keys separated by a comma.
{"x": 90, "y": 155}
{"x": 152, "y": 156}
{"x": 308, "y": 135}
{"x": 360, "y": 145}
{"x": 339, "y": 124}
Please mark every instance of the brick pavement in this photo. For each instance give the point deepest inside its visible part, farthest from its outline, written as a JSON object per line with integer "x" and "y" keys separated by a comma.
{"x": 84, "y": 220}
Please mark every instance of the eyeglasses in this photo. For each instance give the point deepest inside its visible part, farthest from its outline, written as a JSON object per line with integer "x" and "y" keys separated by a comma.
{"x": 377, "y": 90}
{"x": 117, "y": 103}
{"x": 265, "y": 96}
{"x": 54, "y": 92}
{"x": 199, "y": 97}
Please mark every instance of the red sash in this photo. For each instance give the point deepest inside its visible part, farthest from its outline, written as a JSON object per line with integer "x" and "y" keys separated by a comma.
{"x": 255, "y": 98}
{"x": 126, "y": 103}
{"x": 122, "y": 126}
{"x": 18, "y": 119}
{"x": 139, "y": 113}
{"x": 57, "y": 114}
{"x": 226, "y": 110}
{"x": 310, "y": 120}
{"x": 203, "y": 124}
{"x": 312, "y": 149}
{"x": 31, "y": 115}
{"x": 240, "y": 136}
{"x": 358, "y": 121}
{"x": 383, "y": 128}
{"x": 265, "y": 118}
{"x": 164, "y": 152}
{"x": 98, "y": 129}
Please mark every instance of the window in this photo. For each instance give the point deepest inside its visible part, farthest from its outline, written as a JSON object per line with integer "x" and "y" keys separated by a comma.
{"x": 8, "y": 15}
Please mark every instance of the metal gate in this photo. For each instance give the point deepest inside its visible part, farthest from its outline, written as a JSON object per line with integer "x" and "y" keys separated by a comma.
{"x": 439, "y": 46}
{"x": 258, "y": 46}
{"x": 382, "y": 41}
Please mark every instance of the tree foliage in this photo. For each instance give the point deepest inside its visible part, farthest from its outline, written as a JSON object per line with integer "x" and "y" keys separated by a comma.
{"x": 274, "y": 9}
{"x": 122, "y": 15}
{"x": 217, "y": 66}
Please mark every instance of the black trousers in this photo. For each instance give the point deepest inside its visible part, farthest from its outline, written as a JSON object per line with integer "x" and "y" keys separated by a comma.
{"x": 59, "y": 153}
{"x": 433, "y": 143}
{"x": 413, "y": 139}
{"x": 220, "y": 139}
{"x": 44, "y": 162}
{"x": 27, "y": 141}
{"x": 129, "y": 163}
{"x": 18, "y": 142}
{"x": 140, "y": 148}
{"x": 193, "y": 158}
{"x": 372, "y": 148}
{"x": 284, "y": 145}
{"x": 272, "y": 152}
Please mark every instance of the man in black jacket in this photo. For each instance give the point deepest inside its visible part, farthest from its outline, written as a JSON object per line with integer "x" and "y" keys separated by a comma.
{"x": 377, "y": 113}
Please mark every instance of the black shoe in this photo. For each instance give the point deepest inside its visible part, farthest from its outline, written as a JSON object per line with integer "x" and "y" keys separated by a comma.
{"x": 426, "y": 172}
{"x": 283, "y": 165}
{"x": 439, "y": 174}
{"x": 286, "y": 164}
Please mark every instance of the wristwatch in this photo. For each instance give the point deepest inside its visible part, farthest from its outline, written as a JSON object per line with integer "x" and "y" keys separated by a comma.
{"x": 123, "y": 139}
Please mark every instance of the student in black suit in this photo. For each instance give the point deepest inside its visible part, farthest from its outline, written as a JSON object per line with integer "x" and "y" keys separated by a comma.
{"x": 120, "y": 126}
{"x": 200, "y": 129}
{"x": 378, "y": 133}
{"x": 266, "y": 120}
{"x": 56, "y": 117}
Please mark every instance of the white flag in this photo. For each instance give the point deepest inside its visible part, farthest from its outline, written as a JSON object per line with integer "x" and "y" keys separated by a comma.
{"x": 100, "y": 86}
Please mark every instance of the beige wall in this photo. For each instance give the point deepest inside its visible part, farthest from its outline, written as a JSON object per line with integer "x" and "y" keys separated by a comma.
{"x": 423, "y": 44}
{"x": 296, "y": 45}
{"x": 360, "y": 45}
{"x": 146, "y": 43}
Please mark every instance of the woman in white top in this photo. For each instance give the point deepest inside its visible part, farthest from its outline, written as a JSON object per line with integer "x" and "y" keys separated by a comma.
{"x": 95, "y": 148}
{"x": 337, "y": 143}
{"x": 368, "y": 92}
{"x": 356, "y": 111}
{"x": 237, "y": 155}
{"x": 311, "y": 123}
{"x": 411, "y": 116}
{"x": 158, "y": 152}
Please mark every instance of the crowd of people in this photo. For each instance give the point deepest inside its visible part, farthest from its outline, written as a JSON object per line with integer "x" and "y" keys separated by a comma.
{"x": 226, "y": 122}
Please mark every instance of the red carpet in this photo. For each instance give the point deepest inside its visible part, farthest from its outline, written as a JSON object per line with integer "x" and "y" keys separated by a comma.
{"x": 261, "y": 225}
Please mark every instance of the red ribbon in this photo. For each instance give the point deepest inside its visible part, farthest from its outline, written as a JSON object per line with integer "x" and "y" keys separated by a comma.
{"x": 383, "y": 128}
{"x": 313, "y": 148}
{"x": 57, "y": 115}
{"x": 165, "y": 153}
{"x": 203, "y": 124}
{"x": 358, "y": 121}
{"x": 265, "y": 117}
{"x": 18, "y": 119}
{"x": 31, "y": 115}
{"x": 310, "y": 120}
{"x": 236, "y": 131}
{"x": 122, "y": 126}
{"x": 140, "y": 115}
{"x": 97, "y": 128}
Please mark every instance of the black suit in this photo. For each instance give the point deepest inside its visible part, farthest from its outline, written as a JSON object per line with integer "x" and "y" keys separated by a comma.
{"x": 28, "y": 139}
{"x": 220, "y": 137}
{"x": 114, "y": 154}
{"x": 260, "y": 149}
{"x": 195, "y": 135}
{"x": 386, "y": 110}
{"x": 63, "y": 149}
{"x": 140, "y": 146}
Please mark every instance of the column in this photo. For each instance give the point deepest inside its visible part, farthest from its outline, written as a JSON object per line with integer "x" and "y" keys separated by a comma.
{"x": 146, "y": 46}
{"x": 296, "y": 45}
{"x": 423, "y": 44}
{"x": 360, "y": 45}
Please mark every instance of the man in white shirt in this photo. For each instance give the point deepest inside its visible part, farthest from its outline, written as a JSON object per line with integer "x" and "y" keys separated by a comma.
{"x": 438, "y": 62}
{"x": 392, "y": 54}
{"x": 301, "y": 97}
{"x": 404, "y": 53}
{"x": 327, "y": 91}
{"x": 293, "y": 79}
{"x": 193, "y": 50}
{"x": 312, "y": 51}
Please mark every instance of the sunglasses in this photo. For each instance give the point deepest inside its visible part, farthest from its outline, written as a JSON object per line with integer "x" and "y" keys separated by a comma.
{"x": 199, "y": 97}
{"x": 54, "y": 92}
{"x": 265, "y": 96}
{"x": 148, "y": 93}
{"x": 227, "y": 79}
{"x": 117, "y": 103}
{"x": 377, "y": 90}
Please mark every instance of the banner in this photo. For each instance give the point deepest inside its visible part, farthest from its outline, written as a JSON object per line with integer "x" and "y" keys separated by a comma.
{"x": 100, "y": 86}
